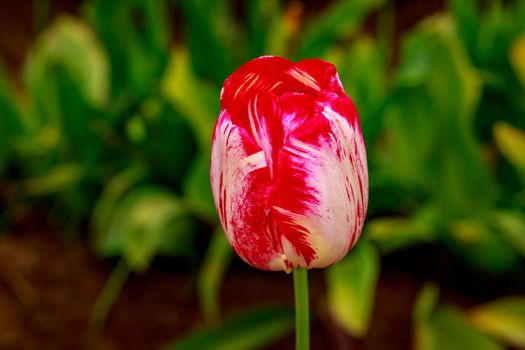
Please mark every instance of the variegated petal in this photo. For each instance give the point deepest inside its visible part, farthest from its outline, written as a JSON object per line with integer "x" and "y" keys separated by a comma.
{"x": 240, "y": 183}
{"x": 321, "y": 194}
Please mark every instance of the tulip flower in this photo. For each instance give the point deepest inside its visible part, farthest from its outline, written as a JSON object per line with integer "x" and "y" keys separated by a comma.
{"x": 288, "y": 165}
{"x": 288, "y": 170}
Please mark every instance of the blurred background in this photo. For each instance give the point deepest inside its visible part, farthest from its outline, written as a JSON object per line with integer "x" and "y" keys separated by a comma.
{"x": 108, "y": 235}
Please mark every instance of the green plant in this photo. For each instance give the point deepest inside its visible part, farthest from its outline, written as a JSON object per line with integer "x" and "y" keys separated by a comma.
{"x": 112, "y": 128}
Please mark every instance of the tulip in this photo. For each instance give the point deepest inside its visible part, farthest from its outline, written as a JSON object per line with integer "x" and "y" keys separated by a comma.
{"x": 288, "y": 165}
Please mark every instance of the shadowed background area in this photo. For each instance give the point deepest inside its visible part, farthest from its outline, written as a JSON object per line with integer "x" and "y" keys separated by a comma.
{"x": 108, "y": 234}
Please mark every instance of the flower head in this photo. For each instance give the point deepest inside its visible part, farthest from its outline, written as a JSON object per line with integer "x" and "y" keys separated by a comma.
{"x": 288, "y": 166}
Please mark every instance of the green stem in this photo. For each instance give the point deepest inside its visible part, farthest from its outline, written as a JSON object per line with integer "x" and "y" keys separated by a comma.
{"x": 302, "y": 322}
{"x": 211, "y": 274}
{"x": 109, "y": 294}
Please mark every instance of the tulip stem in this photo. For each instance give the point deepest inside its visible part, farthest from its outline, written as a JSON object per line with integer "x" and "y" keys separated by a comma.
{"x": 302, "y": 322}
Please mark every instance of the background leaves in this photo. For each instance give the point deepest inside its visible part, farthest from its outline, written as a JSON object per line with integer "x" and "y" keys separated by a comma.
{"x": 110, "y": 132}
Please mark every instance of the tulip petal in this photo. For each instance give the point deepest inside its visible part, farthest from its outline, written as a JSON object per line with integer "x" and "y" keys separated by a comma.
{"x": 321, "y": 72}
{"x": 261, "y": 119}
{"x": 296, "y": 108}
{"x": 263, "y": 74}
{"x": 320, "y": 198}
{"x": 240, "y": 184}
{"x": 277, "y": 75}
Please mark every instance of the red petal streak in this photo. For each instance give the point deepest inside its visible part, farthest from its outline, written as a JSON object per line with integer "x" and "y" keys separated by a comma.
{"x": 259, "y": 75}
{"x": 277, "y": 75}
{"x": 295, "y": 110}
{"x": 240, "y": 184}
{"x": 262, "y": 121}
{"x": 295, "y": 195}
{"x": 344, "y": 106}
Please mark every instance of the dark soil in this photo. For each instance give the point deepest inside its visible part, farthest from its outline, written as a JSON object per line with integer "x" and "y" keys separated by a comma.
{"x": 48, "y": 286}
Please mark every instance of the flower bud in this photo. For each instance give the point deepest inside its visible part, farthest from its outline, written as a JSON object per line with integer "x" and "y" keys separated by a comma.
{"x": 288, "y": 165}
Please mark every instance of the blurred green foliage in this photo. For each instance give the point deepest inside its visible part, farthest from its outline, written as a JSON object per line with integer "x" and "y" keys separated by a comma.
{"x": 251, "y": 329}
{"x": 114, "y": 122}
{"x": 503, "y": 318}
{"x": 351, "y": 285}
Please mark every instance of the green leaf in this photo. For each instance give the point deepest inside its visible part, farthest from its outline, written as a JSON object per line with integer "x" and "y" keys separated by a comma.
{"x": 183, "y": 90}
{"x": 449, "y": 328}
{"x": 511, "y": 143}
{"x": 409, "y": 123}
{"x": 392, "y": 233}
{"x": 503, "y": 319}
{"x": 11, "y": 121}
{"x": 105, "y": 207}
{"x": 192, "y": 97}
{"x": 499, "y": 24}
{"x": 424, "y": 307}
{"x": 56, "y": 179}
{"x": 269, "y": 34}
{"x": 79, "y": 120}
{"x": 363, "y": 74}
{"x": 252, "y": 329}
{"x": 12, "y": 124}
{"x": 481, "y": 246}
{"x": 430, "y": 117}
{"x": 197, "y": 189}
{"x": 491, "y": 31}
{"x": 341, "y": 20}
{"x": 388, "y": 192}
{"x": 166, "y": 141}
{"x": 136, "y": 36}
{"x": 511, "y": 225}
{"x": 144, "y": 219}
{"x": 517, "y": 57}
{"x": 179, "y": 238}
{"x": 70, "y": 44}
{"x": 67, "y": 78}
{"x": 211, "y": 273}
{"x": 466, "y": 17}
{"x": 211, "y": 22}
{"x": 445, "y": 327}
{"x": 351, "y": 287}
{"x": 488, "y": 30}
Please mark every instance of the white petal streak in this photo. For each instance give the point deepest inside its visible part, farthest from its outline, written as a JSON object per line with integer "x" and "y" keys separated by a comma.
{"x": 250, "y": 79}
{"x": 260, "y": 128}
{"x": 303, "y": 77}
{"x": 231, "y": 163}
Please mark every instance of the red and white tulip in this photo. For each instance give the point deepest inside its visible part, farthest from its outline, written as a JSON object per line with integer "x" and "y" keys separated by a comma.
{"x": 288, "y": 165}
